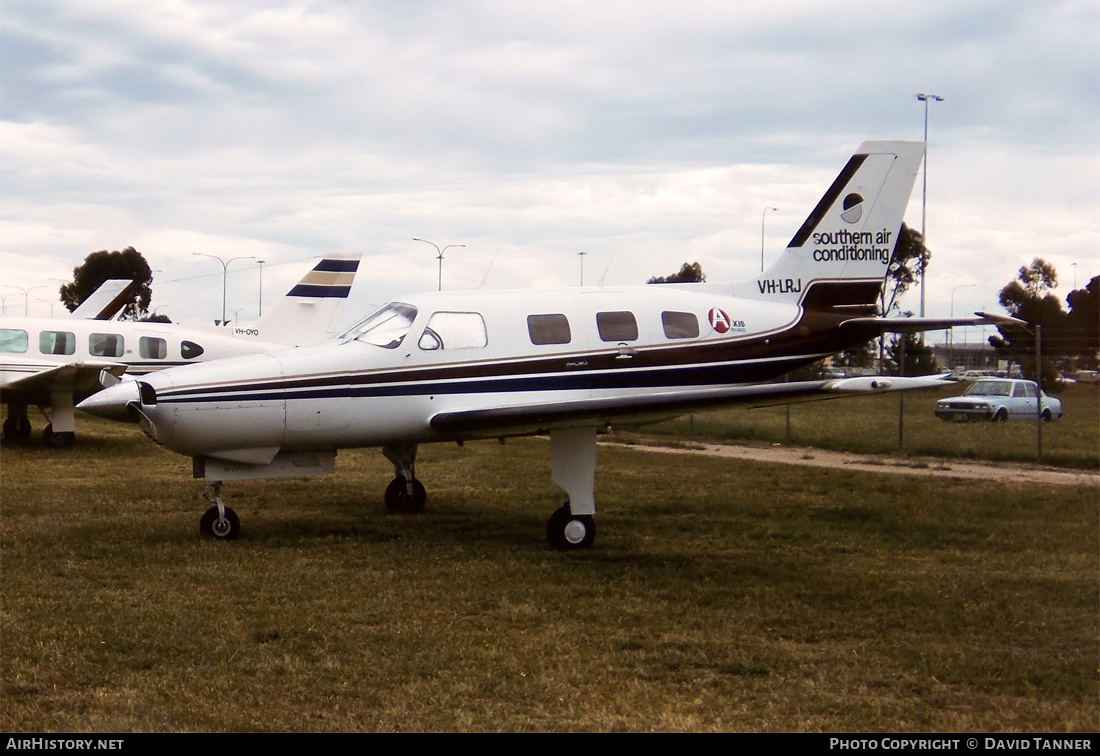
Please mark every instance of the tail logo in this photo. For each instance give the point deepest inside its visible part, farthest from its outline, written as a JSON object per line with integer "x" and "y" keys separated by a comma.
{"x": 853, "y": 208}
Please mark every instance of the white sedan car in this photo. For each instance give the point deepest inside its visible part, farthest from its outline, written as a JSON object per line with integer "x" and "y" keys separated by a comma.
{"x": 998, "y": 399}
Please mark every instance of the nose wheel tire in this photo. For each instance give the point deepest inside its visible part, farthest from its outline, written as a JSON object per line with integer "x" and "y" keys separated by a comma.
{"x": 220, "y": 529}
{"x": 567, "y": 532}
{"x": 399, "y": 498}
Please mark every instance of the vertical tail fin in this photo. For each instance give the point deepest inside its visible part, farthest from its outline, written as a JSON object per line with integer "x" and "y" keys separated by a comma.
{"x": 311, "y": 311}
{"x": 844, "y": 246}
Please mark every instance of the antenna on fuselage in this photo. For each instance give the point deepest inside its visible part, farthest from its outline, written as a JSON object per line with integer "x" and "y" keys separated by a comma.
{"x": 485, "y": 278}
{"x": 608, "y": 267}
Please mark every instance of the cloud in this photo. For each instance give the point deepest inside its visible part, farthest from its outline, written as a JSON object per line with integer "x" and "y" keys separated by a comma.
{"x": 642, "y": 133}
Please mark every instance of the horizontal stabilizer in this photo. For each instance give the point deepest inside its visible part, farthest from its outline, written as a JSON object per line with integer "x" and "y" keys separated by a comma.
{"x": 106, "y": 302}
{"x": 914, "y": 325}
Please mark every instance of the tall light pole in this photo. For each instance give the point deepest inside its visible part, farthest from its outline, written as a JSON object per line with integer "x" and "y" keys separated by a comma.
{"x": 26, "y": 295}
{"x": 951, "y": 331}
{"x": 225, "y": 273}
{"x": 261, "y": 264}
{"x": 440, "y": 257}
{"x": 764, "y": 215}
{"x": 925, "y": 98}
{"x": 581, "y": 255}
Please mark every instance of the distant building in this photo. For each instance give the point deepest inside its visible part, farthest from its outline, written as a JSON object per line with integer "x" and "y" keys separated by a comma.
{"x": 967, "y": 356}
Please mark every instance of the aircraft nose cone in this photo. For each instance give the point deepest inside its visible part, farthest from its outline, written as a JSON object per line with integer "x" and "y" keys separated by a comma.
{"x": 113, "y": 403}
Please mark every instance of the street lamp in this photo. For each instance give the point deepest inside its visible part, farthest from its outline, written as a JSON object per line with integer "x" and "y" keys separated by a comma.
{"x": 581, "y": 255}
{"x": 951, "y": 332}
{"x": 26, "y": 294}
{"x": 225, "y": 273}
{"x": 440, "y": 257}
{"x": 261, "y": 264}
{"x": 764, "y": 215}
{"x": 925, "y": 98}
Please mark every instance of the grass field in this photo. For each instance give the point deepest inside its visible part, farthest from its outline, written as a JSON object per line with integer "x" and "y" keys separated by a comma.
{"x": 719, "y": 596}
{"x": 871, "y": 424}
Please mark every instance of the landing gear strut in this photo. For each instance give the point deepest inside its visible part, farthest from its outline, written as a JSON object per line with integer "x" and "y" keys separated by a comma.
{"x": 404, "y": 493}
{"x": 219, "y": 522}
{"x": 573, "y": 468}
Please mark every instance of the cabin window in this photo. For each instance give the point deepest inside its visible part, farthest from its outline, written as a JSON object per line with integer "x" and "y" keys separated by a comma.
{"x": 189, "y": 350}
{"x": 549, "y": 329}
{"x": 617, "y": 326}
{"x": 152, "y": 348}
{"x": 13, "y": 340}
{"x": 57, "y": 342}
{"x": 385, "y": 327}
{"x": 454, "y": 330}
{"x": 105, "y": 345}
{"x": 680, "y": 325}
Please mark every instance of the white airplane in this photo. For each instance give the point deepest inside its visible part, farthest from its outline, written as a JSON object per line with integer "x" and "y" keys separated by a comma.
{"x": 453, "y": 366}
{"x": 56, "y": 362}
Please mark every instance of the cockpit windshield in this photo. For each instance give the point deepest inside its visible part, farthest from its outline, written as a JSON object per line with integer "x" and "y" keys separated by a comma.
{"x": 385, "y": 328}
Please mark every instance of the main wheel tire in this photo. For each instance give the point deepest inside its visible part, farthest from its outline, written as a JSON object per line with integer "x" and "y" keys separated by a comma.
{"x": 58, "y": 439}
{"x": 399, "y": 500}
{"x": 17, "y": 429}
{"x": 1047, "y": 416}
{"x": 566, "y": 531}
{"x": 220, "y": 530}
{"x": 1001, "y": 416}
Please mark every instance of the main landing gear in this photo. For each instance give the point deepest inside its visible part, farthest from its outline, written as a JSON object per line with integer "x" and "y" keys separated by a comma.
{"x": 59, "y": 433}
{"x": 573, "y": 469}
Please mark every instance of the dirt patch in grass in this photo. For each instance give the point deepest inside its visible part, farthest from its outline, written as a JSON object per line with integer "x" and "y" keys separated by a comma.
{"x": 898, "y": 464}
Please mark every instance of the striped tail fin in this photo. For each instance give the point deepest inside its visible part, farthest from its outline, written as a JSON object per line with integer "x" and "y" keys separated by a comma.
{"x": 840, "y": 254}
{"x": 312, "y": 310}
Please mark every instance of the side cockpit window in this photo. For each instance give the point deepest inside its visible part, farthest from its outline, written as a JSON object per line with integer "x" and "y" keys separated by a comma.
{"x": 549, "y": 329}
{"x": 385, "y": 327}
{"x": 454, "y": 330}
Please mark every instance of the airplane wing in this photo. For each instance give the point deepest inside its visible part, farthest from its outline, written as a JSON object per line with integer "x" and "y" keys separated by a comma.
{"x": 77, "y": 378}
{"x": 912, "y": 325}
{"x": 650, "y": 408}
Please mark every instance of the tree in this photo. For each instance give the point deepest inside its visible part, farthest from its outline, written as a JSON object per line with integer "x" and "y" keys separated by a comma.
{"x": 1029, "y": 299}
{"x": 919, "y": 358}
{"x": 1082, "y": 338}
{"x": 689, "y": 273}
{"x": 102, "y": 265}
{"x": 901, "y": 273}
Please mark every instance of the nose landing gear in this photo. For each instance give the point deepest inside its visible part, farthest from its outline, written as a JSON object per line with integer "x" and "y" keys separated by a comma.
{"x": 219, "y": 522}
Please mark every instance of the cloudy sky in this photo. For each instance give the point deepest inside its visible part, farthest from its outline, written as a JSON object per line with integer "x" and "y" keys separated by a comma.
{"x": 642, "y": 133}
